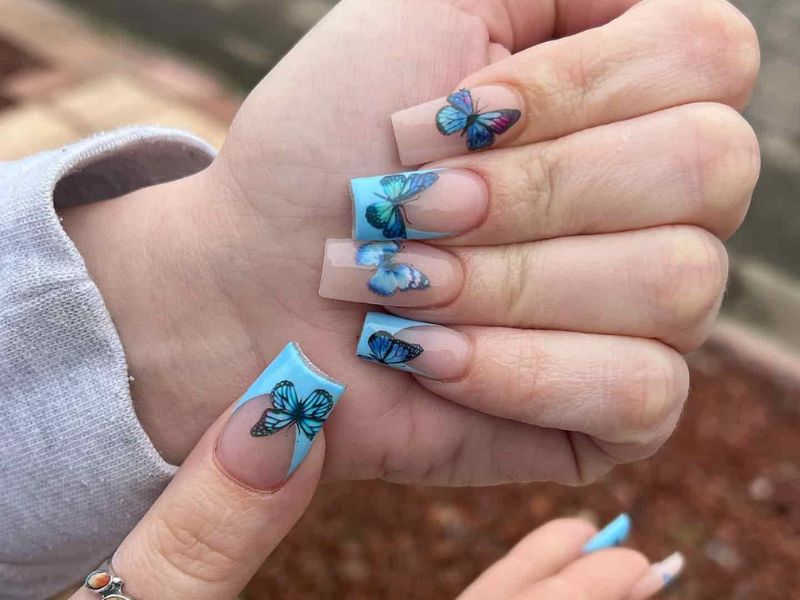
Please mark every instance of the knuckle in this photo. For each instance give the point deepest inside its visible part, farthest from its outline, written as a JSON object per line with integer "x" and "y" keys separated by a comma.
{"x": 522, "y": 183}
{"x": 689, "y": 284}
{"x": 542, "y": 169}
{"x": 558, "y": 83}
{"x": 654, "y": 393}
{"x": 725, "y": 163}
{"x": 187, "y": 543}
{"x": 515, "y": 281}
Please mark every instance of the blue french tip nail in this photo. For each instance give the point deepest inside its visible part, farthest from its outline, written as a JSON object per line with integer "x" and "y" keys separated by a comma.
{"x": 611, "y": 535}
{"x": 379, "y": 205}
{"x": 302, "y": 398}
{"x": 378, "y": 343}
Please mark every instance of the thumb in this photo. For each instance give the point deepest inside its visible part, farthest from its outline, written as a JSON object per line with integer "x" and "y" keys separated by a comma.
{"x": 238, "y": 494}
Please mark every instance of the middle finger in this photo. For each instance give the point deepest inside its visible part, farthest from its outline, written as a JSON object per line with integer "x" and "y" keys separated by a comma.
{"x": 696, "y": 164}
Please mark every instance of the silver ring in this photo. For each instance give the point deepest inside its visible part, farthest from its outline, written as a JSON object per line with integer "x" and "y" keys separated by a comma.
{"x": 103, "y": 582}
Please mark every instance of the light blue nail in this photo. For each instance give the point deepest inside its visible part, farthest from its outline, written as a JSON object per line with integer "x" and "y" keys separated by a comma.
{"x": 378, "y": 344}
{"x": 611, "y": 535}
{"x": 302, "y": 398}
{"x": 379, "y": 205}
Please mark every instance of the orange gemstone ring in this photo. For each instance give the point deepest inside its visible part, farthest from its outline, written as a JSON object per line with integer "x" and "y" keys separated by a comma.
{"x": 107, "y": 585}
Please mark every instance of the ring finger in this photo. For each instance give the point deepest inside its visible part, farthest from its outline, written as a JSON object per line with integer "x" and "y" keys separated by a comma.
{"x": 664, "y": 282}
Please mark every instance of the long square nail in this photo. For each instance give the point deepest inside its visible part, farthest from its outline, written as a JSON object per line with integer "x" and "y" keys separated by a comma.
{"x": 659, "y": 576}
{"x": 465, "y": 121}
{"x": 389, "y": 273}
{"x": 422, "y": 348}
{"x": 611, "y": 535}
{"x": 274, "y": 423}
{"x": 418, "y": 205}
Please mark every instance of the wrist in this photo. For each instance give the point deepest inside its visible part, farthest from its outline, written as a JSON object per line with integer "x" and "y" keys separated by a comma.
{"x": 154, "y": 261}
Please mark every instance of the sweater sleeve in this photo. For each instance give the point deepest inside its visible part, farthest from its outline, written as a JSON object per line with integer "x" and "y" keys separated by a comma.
{"x": 77, "y": 470}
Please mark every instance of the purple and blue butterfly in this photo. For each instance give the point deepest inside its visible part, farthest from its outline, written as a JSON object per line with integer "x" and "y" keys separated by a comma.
{"x": 388, "y": 214}
{"x": 462, "y": 115}
{"x": 390, "y": 276}
{"x": 288, "y": 409}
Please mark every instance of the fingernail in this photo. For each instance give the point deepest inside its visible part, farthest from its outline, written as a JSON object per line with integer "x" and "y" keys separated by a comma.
{"x": 274, "y": 423}
{"x": 669, "y": 568}
{"x": 422, "y": 348}
{"x": 611, "y": 535}
{"x": 389, "y": 273}
{"x": 659, "y": 576}
{"x": 464, "y": 121}
{"x": 418, "y": 205}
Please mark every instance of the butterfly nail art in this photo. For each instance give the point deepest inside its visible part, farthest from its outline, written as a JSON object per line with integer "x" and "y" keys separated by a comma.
{"x": 388, "y": 214}
{"x": 480, "y": 128}
{"x": 288, "y": 409}
{"x": 390, "y": 276}
{"x": 384, "y": 348}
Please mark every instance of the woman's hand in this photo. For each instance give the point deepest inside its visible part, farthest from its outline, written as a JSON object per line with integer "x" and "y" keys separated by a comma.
{"x": 597, "y": 262}
{"x": 566, "y": 559}
{"x": 221, "y": 516}
{"x": 215, "y": 524}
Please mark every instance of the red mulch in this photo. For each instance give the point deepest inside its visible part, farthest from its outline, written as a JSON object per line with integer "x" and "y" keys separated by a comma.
{"x": 725, "y": 491}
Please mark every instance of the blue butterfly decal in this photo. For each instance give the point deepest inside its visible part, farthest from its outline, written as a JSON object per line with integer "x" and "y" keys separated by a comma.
{"x": 390, "y": 275}
{"x": 462, "y": 115}
{"x": 288, "y": 409}
{"x": 388, "y": 213}
{"x": 386, "y": 349}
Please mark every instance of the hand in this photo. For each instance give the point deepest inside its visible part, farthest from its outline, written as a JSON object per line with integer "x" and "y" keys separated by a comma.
{"x": 219, "y": 518}
{"x": 552, "y": 563}
{"x": 209, "y": 531}
{"x": 597, "y": 262}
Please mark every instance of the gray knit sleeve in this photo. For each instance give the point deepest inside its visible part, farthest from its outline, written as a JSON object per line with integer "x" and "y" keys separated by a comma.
{"x": 77, "y": 470}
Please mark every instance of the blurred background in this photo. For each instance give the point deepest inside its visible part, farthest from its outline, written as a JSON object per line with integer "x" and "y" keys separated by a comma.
{"x": 725, "y": 490}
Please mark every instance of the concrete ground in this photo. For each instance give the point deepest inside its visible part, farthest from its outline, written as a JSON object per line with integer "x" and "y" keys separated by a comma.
{"x": 49, "y": 97}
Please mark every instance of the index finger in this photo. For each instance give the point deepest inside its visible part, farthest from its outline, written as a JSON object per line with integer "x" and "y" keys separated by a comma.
{"x": 657, "y": 55}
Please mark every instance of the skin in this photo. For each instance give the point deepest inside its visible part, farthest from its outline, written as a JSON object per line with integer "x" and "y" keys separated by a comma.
{"x": 601, "y": 245}
{"x": 208, "y": 533}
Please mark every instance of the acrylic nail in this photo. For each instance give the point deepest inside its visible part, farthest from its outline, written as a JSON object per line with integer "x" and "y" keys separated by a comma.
{"x": 417, "y": 205}
{"x": 274, "y": 423}
{"x": 465, "y": 121}
{"x": 390, "y": 273}
{"x": 422, "y": 348}
{"x": 611, "y": 535}
{"x": 659, "y": 576}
